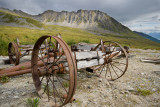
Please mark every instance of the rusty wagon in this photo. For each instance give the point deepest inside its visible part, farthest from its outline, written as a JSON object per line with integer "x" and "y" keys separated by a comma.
{"x": 54, "y": 71}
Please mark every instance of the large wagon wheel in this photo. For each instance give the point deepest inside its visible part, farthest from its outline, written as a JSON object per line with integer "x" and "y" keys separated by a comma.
{"x": 13, "y": 53}
{"x": 115, "y": 61}
{"x": 56, "y": 77}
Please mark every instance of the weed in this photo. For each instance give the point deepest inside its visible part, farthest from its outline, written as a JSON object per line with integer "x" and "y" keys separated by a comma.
{"x": 4, "y": 79}
{"x": 71, "y": 42}
{"x": 33, "y": 103}
{"x": 22, "y": 67}
{"x": 66, "y": 84}
{"x": 78, "y": 102}
{"x": 144, "y": 92}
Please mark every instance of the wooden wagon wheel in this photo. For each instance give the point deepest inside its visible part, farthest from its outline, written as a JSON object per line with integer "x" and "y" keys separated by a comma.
{"x": 115, "y": 61}
{"x": 13, "y": 53}
{"x": 57, "y": 76}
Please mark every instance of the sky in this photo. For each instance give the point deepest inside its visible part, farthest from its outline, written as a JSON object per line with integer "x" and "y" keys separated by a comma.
{"x": 139, "y": 15}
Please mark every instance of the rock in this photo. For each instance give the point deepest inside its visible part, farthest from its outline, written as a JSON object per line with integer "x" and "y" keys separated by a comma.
{"x": 24, "y": 93}
{"x": 89, "y": 87}
{"x": 100, "y": 80}
{"x": 16, "y": 97}
{"x": 154, "y": 89}
{"x": 89, "y": 76}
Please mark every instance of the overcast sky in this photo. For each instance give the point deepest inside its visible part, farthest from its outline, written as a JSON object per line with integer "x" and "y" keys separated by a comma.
{"x": 140, "y": 15}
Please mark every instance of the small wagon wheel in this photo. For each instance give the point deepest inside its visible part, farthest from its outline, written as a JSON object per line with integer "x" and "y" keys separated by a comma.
{"x": 13, "y": 53}
{"x": 54, "y": 72}
{"x": 115, "y": 61}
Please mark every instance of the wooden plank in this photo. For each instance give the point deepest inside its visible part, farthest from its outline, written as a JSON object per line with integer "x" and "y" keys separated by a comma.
{"x": 85, "y": 63}
{"x": 88, "y": 54}
{"x": 157, "y": 61}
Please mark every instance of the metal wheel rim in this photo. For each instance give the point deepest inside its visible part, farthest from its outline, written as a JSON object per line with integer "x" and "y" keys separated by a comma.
{"x": 71, "y": 65}
{"x": 13, "y": 52}
{"x": 112, "y": 67}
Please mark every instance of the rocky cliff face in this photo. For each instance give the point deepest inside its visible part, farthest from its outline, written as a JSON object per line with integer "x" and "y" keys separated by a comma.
{"x": 86, "y": 19}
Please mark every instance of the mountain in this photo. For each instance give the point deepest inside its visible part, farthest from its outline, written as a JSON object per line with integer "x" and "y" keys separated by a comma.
{"x": 94, "y": 20}
{"x": 147, "y": 36}
{"x": 155, "y": 35}
{"x": 11, "y": 18}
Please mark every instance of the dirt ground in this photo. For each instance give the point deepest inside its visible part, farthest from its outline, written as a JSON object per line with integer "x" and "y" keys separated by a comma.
{"x": 139, "y": 87}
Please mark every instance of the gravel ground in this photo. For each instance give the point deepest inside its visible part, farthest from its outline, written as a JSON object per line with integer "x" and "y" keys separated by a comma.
{"x": 128, "y": 91}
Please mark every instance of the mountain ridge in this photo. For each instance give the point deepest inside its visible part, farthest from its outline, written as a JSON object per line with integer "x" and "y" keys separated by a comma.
{"x": 147, "y": 36}
{"x": 85, "y": 19}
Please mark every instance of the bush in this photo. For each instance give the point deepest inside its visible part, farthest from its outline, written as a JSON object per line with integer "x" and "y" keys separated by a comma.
{"x": 144, "y": 92}
{"x": 4, "y": 79}
{"x": 33, "y": 103}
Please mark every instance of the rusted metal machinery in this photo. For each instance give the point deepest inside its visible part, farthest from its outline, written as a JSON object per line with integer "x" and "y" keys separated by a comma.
{"x": 17, "y": 51}
{"x": 55, "y": 72}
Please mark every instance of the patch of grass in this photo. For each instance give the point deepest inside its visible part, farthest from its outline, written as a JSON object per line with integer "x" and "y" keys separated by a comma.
{"x": 71, "y": 42}
{"x": 33, "y": 103}
{"x": 85, "y": 41}
{"x": 13, "y": 18}
{"x": 78, "y": 102}
{"x": 144, "y": 92}
{"x": 3, "y": 47}
{"x": 34, "y": 22}
{"x": 4, "y": 79}
{"x": 66, "y": 84}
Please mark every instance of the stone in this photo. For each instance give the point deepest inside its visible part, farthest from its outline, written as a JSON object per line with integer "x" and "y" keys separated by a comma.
{"x": 100, "y": 80}
{"x": 23, "y": 94}
{"x": 16, "y": 97}
{"x": 154, "y": 89}
{"x": 89, "y": 76}
{"x": 89, "y": 87}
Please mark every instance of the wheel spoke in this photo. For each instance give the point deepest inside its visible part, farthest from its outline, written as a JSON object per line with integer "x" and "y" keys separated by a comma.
{"x": 110, "y": 72}
{"x": 106, "y": 71}
{"x": 61, "y": 83}
{"x": 117, "y": 67}
{"x": 101, "y": 70}
{"x": 118, "y": 62}
{"x": 57, "y": 91}
{"x": 114, "y": 70}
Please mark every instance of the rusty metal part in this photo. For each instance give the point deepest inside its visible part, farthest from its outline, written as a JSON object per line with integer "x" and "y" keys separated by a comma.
{"x": 60, "y": 70}
{"x": 23, "y": 66}
{"x": 15, "y": 73}
{"x": 70, "y": 77}
{"x": 13, "y": 53}
{"x": 115, "y": 61}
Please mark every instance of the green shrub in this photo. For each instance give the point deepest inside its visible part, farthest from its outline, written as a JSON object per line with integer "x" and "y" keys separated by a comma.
{"x": 33, "y": 103}
{"x": 143, "y": 92}
{"x": 4, "y": 79}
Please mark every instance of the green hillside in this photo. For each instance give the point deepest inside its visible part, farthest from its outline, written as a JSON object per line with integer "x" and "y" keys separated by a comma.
{"x": 11, "y": 17}
{"x": 70, "y": 35}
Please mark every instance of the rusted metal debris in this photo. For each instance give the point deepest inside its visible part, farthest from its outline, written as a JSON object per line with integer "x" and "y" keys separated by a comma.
{"x": 54, "y": 71}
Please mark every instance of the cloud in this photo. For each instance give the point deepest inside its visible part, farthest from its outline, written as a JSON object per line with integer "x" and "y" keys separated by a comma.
{"x": 125, "y": 11}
